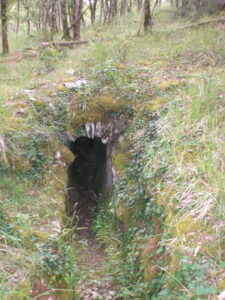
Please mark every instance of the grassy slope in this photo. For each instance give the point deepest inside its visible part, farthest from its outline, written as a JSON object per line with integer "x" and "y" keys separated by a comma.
{"x": 168, "y": 221}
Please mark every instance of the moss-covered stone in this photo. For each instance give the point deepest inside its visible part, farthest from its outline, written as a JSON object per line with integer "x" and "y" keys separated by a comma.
{"x": 19, "y": 162}
{"x": 61, "y": 88}
{"x": 39, "y": 103}
{"x": 99, "y": 110}
{"x": 66, "y": 155}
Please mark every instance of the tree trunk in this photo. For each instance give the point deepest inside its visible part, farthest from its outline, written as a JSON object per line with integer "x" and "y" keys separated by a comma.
{"x": 112, "y": 9}
{"x": 101, "y": 10}
{"x": 66, "y": 33}
{"x": 28, "y": 19}
{"x": 129, "y": 6}
{"x": 123, "y": 7}
{"x": 147, "y": 16}
{"x": 92, "y": 6}
{"x": 76, "y": 18}
{"x": 184, "y": 4}
{"x": 139, "y": 4}
{"x": 54, "y": 28}
{"x": 106, "y": 11}
{"x": 5, "y": 45}
{"x": 18, "y": 18}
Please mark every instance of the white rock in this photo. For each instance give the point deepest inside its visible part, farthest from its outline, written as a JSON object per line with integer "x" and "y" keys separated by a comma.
{"x": 70, "y": 72}
{"x": 98, "y": 129}
{"x": 76, "y": 84}
{"x": 105, "y": 140}
{"x": 221, "y": 296}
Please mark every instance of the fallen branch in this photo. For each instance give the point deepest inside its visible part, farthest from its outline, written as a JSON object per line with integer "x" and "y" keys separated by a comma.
{"x": 219, "y": 20}
{"x": 62, "y": 44}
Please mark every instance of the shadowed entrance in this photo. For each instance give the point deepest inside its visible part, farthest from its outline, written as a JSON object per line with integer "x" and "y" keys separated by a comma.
{"x": 89, "y": 178}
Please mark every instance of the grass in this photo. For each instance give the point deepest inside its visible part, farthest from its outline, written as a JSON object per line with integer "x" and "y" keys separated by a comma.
{"x": 182, "y": 171}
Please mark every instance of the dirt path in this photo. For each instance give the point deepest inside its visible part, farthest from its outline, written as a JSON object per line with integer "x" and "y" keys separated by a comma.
{"x": 94, "y": 283}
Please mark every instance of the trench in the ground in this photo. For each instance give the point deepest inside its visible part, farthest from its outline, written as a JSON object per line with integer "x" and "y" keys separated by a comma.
{"x": 90, "y": 179}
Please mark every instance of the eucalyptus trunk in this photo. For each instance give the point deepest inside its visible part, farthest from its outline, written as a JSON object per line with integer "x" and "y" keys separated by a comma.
{"x": 18, "y": 17}
{"x": 76, "y": 18}
{"x": 92, "y": 6}
{"x": 54, "y": 27}
{"x": 66, "y": 32}
{"x": 147, "y": 16}
{"x": 5, "y": 44}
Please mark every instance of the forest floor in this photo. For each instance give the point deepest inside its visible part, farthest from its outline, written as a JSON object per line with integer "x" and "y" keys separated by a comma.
{"x": 95, "y": 284}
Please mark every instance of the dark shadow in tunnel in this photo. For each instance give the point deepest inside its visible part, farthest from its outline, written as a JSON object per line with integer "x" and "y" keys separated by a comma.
{"x": 89, "y": 178}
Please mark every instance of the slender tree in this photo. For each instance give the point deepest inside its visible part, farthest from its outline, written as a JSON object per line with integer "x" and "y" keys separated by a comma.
{"x": 139, "y": 4}
{"x": 76, "y": 18}
{"x": 123, "y": 7}
{"x": 147, "y": 16}
{"x": 5, "y": 45}
{"x": 66, "y": 32}
{"x": 112, "y": 9}
{"x": 18, "y": 17}
{"x": 54, "y": 27}
{"x": 92, "y": 6}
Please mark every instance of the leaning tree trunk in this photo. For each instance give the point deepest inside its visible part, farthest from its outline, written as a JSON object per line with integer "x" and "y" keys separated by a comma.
{"x": 5, "y": 45}
{"x": 66, "y": 32}
{"x": 147, "y": 16}
{"x": 76, "y": 18}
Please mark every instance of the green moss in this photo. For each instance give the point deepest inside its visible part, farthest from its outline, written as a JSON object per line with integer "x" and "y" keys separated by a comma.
{"x": 39, "y": 103}
{"x": 61, "y": 88}
{"x": 18, "y": 162}
{"x": 185, "y": 225}
{"x": 22, "y": 290}
{"x": 119, "y": 162}
{"x": 66, "y": 155}
{"x": 99, "y": 110}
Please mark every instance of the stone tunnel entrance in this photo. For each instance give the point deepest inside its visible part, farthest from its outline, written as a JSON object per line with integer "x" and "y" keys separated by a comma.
{"x": 90, "y": 178}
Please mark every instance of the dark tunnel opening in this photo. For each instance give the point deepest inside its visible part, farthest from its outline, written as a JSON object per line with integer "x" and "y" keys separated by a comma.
{"x": 89, "y": 178}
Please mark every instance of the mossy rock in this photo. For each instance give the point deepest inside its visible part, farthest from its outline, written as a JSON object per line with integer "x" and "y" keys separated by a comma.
{"x": 171, "y": 84}
{"x": 120, "y": 159}
{"x": 15, "y": 122}
{"x": 123, "y": 214}
{"x": 59, "y": 179}
{"x": 41, "y": 235}
{"x": 70, "y": 79}
{"x": 66, "y": 155}
{"x": 186, "y": 225}
{"x": 39, "y": 103}
{"x": 19, "y": 162}
{"x": 61, "y": 88}
{"x": 121, "y": 66}
{"x": 99, "y": 110}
